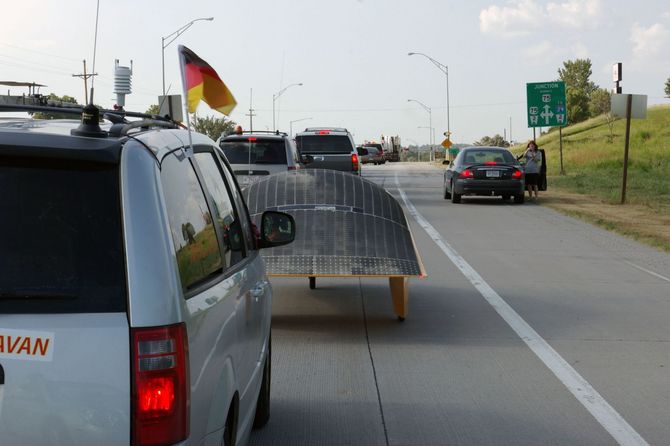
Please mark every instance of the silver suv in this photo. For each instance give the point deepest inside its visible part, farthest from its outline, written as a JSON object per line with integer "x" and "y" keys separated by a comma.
{"x": 329, "y": 148}
{"x": 134, "y": 305}
{"x": 253, "y": 155}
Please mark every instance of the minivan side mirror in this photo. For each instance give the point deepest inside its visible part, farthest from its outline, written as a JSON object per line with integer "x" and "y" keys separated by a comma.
{"x": 445, "y": 162}
{"x": 277, "y": 229}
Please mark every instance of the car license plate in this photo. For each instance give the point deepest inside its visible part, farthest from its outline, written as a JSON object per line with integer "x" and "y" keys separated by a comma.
{"x": 492, "y": 174}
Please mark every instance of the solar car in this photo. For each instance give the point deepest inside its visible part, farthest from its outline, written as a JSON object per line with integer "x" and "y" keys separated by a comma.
{"x": 484, "y": 171}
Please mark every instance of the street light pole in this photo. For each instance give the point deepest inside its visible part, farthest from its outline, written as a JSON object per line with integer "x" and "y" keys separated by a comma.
{"x": 445, "y": 69}
{"x": 171, "y": 38}
{"x": 430, "y": 124}
{"x": 275, "y": 97}
{"x": 290, "y": 125}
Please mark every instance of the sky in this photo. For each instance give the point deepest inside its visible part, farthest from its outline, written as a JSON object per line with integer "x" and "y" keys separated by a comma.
{"x": 350, "y": 56}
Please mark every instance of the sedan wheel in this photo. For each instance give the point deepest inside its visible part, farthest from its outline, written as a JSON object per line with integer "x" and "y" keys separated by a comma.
{"x": 455, "y": 198}
{"x": 447, "y": 195}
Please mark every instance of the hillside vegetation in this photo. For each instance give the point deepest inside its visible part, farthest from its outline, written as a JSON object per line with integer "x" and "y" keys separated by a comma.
{"x": 593, "y": 159}
{"x": 593, "y": 163}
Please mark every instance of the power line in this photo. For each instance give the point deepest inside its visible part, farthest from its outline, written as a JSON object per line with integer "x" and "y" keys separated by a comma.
{"x": 38, "y": 52}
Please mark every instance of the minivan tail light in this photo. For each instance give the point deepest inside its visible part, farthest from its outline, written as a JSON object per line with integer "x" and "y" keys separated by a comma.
{"x": 354, "y": 162}
{"x": 161, "y": 389}
{"x": 324, "y": 132}
{"x": 252, "y": 139}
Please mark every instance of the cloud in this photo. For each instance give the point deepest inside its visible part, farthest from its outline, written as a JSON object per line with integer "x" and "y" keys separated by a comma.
{"x": 648, "y": 42}
{"x": 510, "y": 20}
{"x": 521, "y": 17}
{"x": 548, "y": 51}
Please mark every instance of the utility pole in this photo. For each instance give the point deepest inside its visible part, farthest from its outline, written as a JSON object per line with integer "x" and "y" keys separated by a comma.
{"x": 85, "y": 76}
{"x": 251, "y": 113}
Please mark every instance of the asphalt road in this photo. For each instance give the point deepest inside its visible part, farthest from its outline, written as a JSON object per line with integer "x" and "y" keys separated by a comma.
{"x": 531, "y": 328}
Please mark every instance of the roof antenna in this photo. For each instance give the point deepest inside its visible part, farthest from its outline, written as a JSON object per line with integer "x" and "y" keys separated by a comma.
{"x": 90, "y": 115}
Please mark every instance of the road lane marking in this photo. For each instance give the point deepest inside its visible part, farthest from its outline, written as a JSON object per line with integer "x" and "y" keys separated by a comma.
{"x": 601, "y": 410}
{"x": 647, "y": 271}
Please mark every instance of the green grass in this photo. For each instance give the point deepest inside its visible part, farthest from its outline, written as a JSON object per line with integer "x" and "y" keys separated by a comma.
{"x": 593, "y": 159}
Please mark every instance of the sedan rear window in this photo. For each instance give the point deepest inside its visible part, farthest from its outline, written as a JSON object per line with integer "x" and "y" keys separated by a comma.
{"x": 324, "y": 144}
{"x": 255, "y": 151}
{"x": 61, "y": 244}
{"x": 488, "y": 156}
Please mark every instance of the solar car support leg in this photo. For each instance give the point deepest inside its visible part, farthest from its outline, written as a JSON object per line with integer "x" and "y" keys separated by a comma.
{"x": 400, "y": 295}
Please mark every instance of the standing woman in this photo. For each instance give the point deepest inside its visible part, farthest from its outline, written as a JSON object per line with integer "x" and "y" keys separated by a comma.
{"x": 533, "y": 163}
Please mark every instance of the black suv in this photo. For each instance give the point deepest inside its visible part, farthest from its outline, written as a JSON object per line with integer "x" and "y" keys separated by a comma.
{"x": 329, "y": 148}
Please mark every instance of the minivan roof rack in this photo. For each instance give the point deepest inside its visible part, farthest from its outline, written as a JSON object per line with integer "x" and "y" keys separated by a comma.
{"x": 120, "y": 125}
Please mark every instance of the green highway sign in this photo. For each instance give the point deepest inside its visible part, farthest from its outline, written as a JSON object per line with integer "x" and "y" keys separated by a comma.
{"x": 546, "y": 105}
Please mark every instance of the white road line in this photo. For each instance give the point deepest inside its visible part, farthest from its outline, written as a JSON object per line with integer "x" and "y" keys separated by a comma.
{"x": 647, "y": 271}
{"x": 605, "y": 414}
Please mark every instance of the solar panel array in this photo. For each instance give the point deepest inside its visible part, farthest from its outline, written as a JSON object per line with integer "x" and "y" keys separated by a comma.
{"x": 345, "y": 225}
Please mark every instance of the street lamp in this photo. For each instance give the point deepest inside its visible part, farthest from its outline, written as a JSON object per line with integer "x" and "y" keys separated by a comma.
{"x": 290, "y": 125}
{"x": 430, "y": 122}
{"x": 445, "y": 69}
{"x": 432, "y": 132}
{"x": 275, "y": 97}
{"x": 172, "y": 37}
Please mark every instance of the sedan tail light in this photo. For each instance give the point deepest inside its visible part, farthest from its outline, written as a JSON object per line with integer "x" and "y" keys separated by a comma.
{"x": 467, "y": 173}
{"x": 516, "y": 175}
{"x": 161, "y": 390}
{"x": 354, "y": 162}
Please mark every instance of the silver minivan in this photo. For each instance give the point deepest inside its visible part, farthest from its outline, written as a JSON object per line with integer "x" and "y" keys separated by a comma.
{"x": 253, "y": 155}
{"x": 134, "y": 304}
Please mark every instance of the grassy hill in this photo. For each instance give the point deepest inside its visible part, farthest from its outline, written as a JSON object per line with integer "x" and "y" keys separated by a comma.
{"x": 593, "y": 159}
{"x": 593, "y": 162}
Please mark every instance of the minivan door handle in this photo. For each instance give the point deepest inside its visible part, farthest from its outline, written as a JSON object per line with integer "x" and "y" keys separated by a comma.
{"x": 259, "y": 289}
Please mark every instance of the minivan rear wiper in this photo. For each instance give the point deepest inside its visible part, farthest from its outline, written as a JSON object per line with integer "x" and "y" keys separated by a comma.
{"x": 37, "y": 296}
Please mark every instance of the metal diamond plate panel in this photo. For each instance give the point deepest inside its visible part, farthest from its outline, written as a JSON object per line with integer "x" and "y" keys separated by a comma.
{"x": 345, "y": 226}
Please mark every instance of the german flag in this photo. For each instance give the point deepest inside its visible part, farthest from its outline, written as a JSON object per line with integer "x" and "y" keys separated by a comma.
{"x": 202, "y": 83}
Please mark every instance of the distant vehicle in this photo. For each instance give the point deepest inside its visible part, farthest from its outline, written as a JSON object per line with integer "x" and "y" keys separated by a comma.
{"x": 362, "y": 155}
{"x": 329, "y": 148}
{"x": 484, "y": 171}
{"x": 374, "y": 156}
{"x": 378, "y": 151}
{"x": 135, "y": 307}
{"x": 253, "y": 155}
{"x": 393, "y": 148}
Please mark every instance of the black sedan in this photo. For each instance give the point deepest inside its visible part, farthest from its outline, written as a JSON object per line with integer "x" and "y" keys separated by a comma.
{"x": 484, "y": 171}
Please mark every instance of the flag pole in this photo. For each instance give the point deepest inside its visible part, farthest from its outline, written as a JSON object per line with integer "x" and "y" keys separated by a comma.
{"x": 182, "y": 65}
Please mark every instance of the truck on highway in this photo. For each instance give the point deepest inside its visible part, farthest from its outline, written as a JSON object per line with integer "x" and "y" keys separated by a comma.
{"x": 392, "y": 149}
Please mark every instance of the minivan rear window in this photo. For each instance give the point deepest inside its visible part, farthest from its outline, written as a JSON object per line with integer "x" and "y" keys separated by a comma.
{"x": 255, "y": 151}
{"x": 61, "y": 245}
{"x": 324, "y": 144}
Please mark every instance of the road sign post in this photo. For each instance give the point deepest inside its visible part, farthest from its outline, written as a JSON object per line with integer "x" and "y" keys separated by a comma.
{"x": 629, "y": 106}
{"x": 546, "y": 107}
